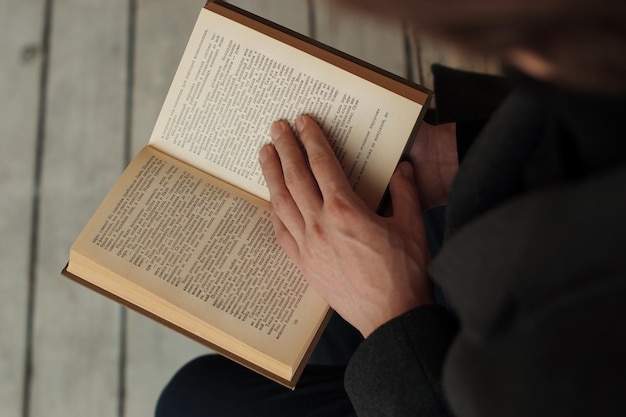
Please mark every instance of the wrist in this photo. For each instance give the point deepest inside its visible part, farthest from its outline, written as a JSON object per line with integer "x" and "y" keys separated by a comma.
{"x": 392, "y": 310}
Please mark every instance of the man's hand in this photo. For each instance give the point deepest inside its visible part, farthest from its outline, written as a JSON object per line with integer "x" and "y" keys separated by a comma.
{"x": 370, "y": 269}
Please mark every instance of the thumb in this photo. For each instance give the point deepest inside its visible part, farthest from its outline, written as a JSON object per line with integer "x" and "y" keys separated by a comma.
{"x": 404, "y": 196}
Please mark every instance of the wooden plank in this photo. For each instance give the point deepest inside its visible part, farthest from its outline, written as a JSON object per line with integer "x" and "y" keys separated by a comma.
{"x": 20, "y": 67}
{"x": 429, "y": 51}
{"x": 379, "y": 42}
{"x": 155, "y": 353}
{"x": 293, "y": 14}
{"x": 76, "y": 340}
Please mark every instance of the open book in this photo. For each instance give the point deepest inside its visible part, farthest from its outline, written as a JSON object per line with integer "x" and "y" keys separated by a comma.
{"x": 185, "y": 236}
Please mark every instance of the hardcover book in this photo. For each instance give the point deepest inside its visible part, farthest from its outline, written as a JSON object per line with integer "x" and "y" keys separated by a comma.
{"x": 185, "y": 236}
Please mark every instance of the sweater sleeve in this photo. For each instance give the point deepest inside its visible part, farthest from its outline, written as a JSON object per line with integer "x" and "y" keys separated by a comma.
{"x": 397, "y": 370}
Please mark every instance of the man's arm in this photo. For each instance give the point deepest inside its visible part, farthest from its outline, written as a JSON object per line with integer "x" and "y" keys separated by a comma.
{"x": 397, "y": 370}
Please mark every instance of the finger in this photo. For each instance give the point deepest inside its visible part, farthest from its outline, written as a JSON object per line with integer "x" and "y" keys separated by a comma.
{"x": 285, "y": 238}
{"x": 296, "y": 174}
{"x": 326, "y": 169}
{"x": 282, "y": 202}
{"x": 404, "y": 196}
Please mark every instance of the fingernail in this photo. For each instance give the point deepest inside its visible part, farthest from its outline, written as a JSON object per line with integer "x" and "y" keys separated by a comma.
{"x": 276, "y": 130}
{"x": 264, "y": 153}
{"x": 300, "y": 123}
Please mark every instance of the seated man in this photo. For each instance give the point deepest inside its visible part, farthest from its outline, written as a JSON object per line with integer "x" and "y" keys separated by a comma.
{"x": 532, "y": 265}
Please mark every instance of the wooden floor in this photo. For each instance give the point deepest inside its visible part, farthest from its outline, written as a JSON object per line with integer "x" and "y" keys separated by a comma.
{"x": 81, "y": 83}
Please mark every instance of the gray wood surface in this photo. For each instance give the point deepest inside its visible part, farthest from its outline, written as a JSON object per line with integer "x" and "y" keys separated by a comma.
{"x": 21, "y": 25}
{"x": 77, "y": 332}
{"x": 380, "y": 43}
{"x": 89, "y": 356}
{"x": 428, "y": 52}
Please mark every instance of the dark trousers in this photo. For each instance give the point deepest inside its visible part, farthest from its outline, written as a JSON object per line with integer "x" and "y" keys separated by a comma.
{"x": 214, "y": 386}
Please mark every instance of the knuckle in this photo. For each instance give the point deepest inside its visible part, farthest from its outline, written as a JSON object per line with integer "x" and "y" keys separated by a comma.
{"x": 403, "y": 184}
{"x": 292, "y": 175}
{"x": 342, "y": 211}
{"x": 283, "y": 237}
{"x": 320, "y": 158}
{"x": 280, "y": 203}
{"x": 407, "y": 186}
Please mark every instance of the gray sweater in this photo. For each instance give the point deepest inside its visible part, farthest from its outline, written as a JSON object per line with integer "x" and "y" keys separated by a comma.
{"x": 534, "y": 268}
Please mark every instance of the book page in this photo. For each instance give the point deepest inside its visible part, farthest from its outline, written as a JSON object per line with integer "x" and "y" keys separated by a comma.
{"x": 233, "y": 82}
{"x": 207, "y": 247}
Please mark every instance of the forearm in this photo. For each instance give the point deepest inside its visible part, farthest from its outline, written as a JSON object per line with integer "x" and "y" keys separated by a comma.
{"x": 397, "y": 370}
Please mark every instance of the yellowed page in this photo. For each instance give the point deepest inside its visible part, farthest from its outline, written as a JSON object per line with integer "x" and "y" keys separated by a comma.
{"x": 234, "y": 81}
{"x": 206, "y": 247}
